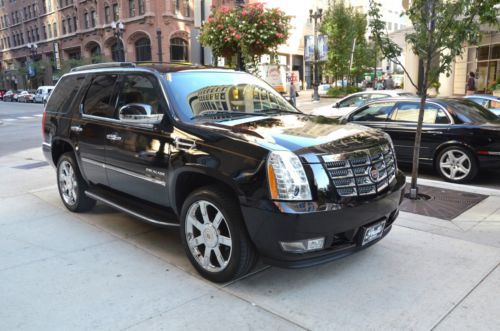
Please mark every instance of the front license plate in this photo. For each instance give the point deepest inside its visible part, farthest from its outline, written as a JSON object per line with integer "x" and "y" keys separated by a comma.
{"x": 373, "y": 233}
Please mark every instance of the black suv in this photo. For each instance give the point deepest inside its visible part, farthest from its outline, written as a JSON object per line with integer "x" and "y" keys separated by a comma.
{"x": 223, "y": 156}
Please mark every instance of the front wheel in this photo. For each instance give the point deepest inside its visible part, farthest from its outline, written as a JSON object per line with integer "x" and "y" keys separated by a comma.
{"x": 457, "y": 164}
{"x": 214, "y": 235}
{"x": 71, "y": 185}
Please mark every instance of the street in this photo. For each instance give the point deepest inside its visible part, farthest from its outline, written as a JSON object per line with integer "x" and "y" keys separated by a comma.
{"x": 20, "y": 126}
{"x": 105, "y": 270}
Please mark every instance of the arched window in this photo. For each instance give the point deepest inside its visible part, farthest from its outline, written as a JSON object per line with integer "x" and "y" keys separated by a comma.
{"x": 178, "y": 50}
{"x": 143, "y": 50}
{"x": 95, "y": 50}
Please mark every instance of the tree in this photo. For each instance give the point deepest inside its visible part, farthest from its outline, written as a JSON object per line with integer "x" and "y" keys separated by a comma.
{"x": 252, "y": 30}
{"x": 344, "y": 25}
{"x": 440, "y": 30}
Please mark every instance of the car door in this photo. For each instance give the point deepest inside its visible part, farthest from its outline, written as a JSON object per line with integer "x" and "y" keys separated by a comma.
{"x": 137, "y": 153}
{"x": 374, "y": 115}
{"x": 97, "y": 117}
{"x": 402, "y": 128}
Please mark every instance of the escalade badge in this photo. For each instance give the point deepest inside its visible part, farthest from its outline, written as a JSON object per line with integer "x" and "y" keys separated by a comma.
{"x": 374, "y": 174}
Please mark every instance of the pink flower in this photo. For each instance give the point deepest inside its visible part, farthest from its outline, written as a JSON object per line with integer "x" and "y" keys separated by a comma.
{"x": 224, "y": 9}
{"x": 210, "y": 19}
{"x": 237, "y": 36}
{"x": 244, "y": 13}
{"x": 279, "y": 35}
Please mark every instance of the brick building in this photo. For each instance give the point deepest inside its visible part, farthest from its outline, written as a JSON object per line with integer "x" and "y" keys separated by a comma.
{"x": 75, "y": 29}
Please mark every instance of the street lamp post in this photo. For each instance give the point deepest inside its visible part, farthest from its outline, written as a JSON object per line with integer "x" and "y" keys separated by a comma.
{"x": 118, "y": 30}
{"x": 33, "y": 49}
{"x": 241, "y": 65}
{"x": 316, "y": 16}
{"x": 160, "y": 51}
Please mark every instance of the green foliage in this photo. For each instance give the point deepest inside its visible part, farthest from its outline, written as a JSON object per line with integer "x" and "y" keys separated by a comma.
{"x": 252, "y": 30}
{"x": 343, "y": 24}
{"x": 339, "y": 92}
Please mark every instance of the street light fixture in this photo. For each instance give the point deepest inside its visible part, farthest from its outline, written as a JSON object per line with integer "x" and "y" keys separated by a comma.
{"x": 316, "y": 16}
{"x": 118, "y": 30}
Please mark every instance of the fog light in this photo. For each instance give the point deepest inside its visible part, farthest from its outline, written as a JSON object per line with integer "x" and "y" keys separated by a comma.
{"x": 303, "y": 246}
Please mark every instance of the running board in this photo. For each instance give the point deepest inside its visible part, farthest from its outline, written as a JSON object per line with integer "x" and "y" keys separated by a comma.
{"x": 118, "y": 202}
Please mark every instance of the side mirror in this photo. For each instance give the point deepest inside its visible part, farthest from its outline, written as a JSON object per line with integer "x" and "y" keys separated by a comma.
{"x": 337, "y": 105}
{"x": 139, "y": 113}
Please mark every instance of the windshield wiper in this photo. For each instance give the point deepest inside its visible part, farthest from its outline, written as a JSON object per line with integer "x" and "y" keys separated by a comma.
{"x": 279, "y": 111}
{"x": 223, "y": 114}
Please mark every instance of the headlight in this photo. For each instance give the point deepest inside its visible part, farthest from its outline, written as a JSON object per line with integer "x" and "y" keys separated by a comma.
{"x": 287, "y": 178}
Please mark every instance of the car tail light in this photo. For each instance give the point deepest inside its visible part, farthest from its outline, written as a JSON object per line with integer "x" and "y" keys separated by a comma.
{"x": 44, "y": 117}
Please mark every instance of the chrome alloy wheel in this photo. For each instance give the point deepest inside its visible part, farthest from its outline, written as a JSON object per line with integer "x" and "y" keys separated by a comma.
{"x": 455, "y": 164}
{"x": 67, "y": 182}
{"x": 208, "y": 236}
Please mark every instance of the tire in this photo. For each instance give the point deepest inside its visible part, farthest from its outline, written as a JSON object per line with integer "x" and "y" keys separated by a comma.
{"x": 457, "y": 164}
{"x": 71, "y": 185}
{"x": 231, "y": 254}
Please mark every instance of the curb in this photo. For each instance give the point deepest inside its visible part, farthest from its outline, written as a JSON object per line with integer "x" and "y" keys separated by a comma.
{"x": 457, "y": 187}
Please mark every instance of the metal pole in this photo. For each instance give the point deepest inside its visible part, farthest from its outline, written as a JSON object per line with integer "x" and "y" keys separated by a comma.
{"x": 160, "y": 51}
{"x": 239, "y": 57}
{"x": 316, "y": 16}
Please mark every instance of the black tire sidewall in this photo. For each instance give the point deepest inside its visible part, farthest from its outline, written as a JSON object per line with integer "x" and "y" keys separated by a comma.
{"x": 473, "y": 162}
{"x": 236, "y": 227}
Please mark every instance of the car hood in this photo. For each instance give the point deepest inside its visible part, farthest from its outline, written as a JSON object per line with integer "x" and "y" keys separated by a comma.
{"x": 307, "y": 136}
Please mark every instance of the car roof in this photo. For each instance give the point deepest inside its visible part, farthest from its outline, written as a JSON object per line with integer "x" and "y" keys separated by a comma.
{"x": 148, "y": 66}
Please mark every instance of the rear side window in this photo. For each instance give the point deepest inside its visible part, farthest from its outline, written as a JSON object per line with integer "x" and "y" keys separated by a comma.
{"x": 376, "y": 112}
{"x": 60, "y": 101}
{"x": 98, "y": 97}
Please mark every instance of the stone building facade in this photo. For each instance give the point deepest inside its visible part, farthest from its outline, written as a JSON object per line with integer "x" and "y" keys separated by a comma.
{"x": 63, "y": 30}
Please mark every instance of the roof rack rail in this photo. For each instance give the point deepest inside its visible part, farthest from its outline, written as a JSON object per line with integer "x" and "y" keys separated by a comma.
{"x": 104, "y": 65}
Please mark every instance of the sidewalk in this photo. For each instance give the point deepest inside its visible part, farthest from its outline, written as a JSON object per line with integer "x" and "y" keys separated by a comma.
{"x": 104, "y": 270}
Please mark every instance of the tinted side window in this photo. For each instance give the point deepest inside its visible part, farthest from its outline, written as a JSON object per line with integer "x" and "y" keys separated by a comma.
{"x": 98, "y": 98}
{"x": 377, "y": 112}
{"x": 141, "y": 89}
{"x": 60, "y": 101}
{"x": 354, "y": 101}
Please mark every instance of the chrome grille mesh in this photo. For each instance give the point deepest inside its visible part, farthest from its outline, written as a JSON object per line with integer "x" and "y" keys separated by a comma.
{"x": 362, "y": 175}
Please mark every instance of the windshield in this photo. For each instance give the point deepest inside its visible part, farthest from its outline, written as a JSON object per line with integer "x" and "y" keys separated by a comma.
{"x": 201, "y": 94}
{"x": 470, "y": 112}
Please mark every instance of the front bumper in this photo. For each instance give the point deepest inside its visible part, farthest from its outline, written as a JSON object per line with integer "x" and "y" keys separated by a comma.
{"x": 270, "y": 223}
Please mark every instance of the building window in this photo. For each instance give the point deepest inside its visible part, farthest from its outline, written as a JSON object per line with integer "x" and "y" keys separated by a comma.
{"x": 178, "y": 50}
{"x": 143, "y": 50}
{"x": 63, "y": 24}
{"x": 75, "y": 27}
{"x": 95, "y": 51}
{"x": 116, "y": 14}
{"x": 37, "y": 35}
{"x": 177, "y": 6}
{"x": 49, "y": 5}
{"x": 28, "y": 36}
{"x": 131, "y": 8}
{"x": 54, "y": 27}
{"x": 69, "y": 25}
{"x": 107, "y": 14}
{"x": 142, "y": 8}
{"x": 93, "y": 17}
{"x": 187, "y": 8}
{"x": 86, "y": 20}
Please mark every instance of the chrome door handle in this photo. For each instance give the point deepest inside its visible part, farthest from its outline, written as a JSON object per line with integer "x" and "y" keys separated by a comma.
{"x": 76, "y": 128}
{"x": 113, "y": 137}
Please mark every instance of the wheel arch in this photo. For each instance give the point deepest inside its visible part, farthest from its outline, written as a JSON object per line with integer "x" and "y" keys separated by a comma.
{"x": 187, "y": 180}
{"x": 59, "y": 147}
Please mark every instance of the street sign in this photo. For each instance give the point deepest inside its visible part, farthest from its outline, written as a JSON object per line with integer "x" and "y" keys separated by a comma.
{"x": 309, "y": 48}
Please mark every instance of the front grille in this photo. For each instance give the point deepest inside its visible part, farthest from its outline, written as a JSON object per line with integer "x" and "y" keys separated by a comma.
{"x": 363, "y": 173}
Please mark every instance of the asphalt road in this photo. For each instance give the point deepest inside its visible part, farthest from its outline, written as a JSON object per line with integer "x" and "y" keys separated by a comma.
{"x": 20, "y": 126}
{"x": 20, "y": 129}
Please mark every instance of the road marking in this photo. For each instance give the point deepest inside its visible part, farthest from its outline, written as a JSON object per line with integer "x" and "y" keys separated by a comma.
{"x": 25, "y": 117}
{"x": 9, "y": 119}
{"x": 39, "y": 115}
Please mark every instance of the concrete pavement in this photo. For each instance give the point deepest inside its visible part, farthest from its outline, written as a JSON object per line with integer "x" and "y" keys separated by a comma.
{"x": 104, "y": 270}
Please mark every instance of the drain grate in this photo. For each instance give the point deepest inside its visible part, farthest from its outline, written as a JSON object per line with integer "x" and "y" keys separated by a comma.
{"x": 444, "y": 204}
{"x": 29, "y": 166}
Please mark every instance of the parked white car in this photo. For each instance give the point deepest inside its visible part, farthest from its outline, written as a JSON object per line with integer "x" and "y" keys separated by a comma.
{"x": 42, "y": 94}
{"x": 349, "y": 103}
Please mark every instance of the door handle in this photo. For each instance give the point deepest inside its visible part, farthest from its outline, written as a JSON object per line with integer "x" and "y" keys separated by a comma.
{"x": 76, "y": 128}
{"x": 113, "y": 137}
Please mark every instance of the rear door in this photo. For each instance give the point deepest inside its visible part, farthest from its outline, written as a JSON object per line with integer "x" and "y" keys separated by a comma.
{"x": 138, "y": 154}
{"x": 97, "y": 116}
{"x": 403, "y": 126}
{"x": 374, "y": 115}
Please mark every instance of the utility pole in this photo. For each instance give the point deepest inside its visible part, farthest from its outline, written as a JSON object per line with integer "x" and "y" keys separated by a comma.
{"x": 239, "y": 57}
{"x": 316, "y": 16}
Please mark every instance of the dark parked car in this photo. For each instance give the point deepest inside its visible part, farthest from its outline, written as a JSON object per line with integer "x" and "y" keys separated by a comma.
{"x": 222, "y": 156}
{"x": 459, "y": 137}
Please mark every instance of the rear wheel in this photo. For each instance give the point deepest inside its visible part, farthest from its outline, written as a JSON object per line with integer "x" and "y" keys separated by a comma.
{"x": 214, "y": 236}
{"x": 457, "y": 164}
{"x": 71, "y": 185}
